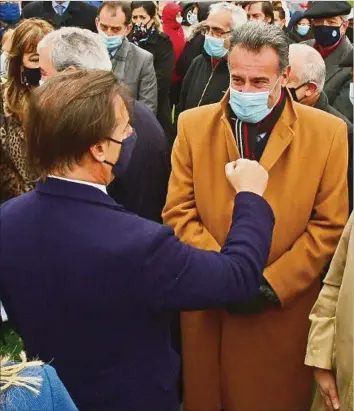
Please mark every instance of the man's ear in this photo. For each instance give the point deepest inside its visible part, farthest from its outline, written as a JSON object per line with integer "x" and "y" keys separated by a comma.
{"x": 344, "y": 27}
{"x": 311, "y": 88}
{"x": 285, "y": 76}
{"x": 98, "y": 151}
{"x": 129, "y": 28}
{"x": 97, "y": 22}
{"x": 70, "y": 69}
{"x": 227, "y": 43}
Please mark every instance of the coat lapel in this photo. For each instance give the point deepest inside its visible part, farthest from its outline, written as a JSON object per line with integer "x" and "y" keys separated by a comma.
{"x": 280, "y": 137}
{"x": 232, "y": 149}
{"x": 120, "y": 60}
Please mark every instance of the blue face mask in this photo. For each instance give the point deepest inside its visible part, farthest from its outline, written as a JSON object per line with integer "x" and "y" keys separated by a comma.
{"x": 214, "y": 47}
{"x": 303, "y": 30}
{"x": 111, "y": 42}
{"x": 251, "y": 107}
{"x": 9, "y": 12}
{"x": 128, "y": 145}
{"x": 193, "y": 19}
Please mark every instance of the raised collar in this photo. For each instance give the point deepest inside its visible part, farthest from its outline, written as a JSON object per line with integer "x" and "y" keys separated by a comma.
{"x": 325, "y": 52}
{"x": 101, "y": 187}
{"x": 75, "y": 191}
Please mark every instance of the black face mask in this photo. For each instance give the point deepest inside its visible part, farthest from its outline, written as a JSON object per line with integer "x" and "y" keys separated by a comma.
{"x": 128, "y": 146}
{"x": 293, "y": 92}
{"x": 326, "y": 36}
{"x": 31, "y": 76}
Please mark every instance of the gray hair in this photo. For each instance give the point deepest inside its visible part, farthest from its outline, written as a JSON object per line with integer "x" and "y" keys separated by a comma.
{"x": 255, "y": 36}
{"x": 81, "y": 48}
{"x": 312, "y": 67}
{"x": 238, "y": 15}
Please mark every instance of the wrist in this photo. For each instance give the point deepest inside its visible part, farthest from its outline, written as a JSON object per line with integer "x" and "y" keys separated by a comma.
{"x": 248, "y": 190}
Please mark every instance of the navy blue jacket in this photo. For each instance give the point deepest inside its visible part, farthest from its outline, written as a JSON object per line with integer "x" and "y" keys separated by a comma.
{"x": 90, "y": 286}
{"x": 142, "y": 189}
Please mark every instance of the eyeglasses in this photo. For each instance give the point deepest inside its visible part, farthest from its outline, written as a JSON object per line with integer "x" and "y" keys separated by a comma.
{"x": 215, "y": 32}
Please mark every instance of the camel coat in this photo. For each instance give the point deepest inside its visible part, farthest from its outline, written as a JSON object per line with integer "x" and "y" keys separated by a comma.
{"x": 330, "y": 344}
{"x": 256, "y": 362}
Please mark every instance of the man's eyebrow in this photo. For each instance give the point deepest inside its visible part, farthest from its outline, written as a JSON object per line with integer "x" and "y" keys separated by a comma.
{"x": 261, "y": 78}
{"x": 254, "y": 78}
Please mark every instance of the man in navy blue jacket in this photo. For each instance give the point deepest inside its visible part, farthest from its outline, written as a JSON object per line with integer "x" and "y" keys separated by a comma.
{"x": 89, "y": 286}
{"x": 142, "y": 188}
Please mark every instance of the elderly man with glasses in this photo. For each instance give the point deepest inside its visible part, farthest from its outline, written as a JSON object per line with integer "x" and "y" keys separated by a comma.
{"x": 329, "y": 25}
{"x": 208, "y": 76}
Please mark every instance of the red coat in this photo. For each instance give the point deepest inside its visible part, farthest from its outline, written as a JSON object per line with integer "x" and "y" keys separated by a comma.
{"x": 175, "y": 31}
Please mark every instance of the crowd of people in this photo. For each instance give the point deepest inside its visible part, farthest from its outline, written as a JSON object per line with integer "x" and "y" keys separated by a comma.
{"x": 176, "y": 205}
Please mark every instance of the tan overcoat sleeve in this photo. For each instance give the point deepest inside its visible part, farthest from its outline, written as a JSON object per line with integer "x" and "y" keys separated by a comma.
{"x": 323, "y": 315}
{"x": 296, "y": 270}
{"x": 180, "y": 211}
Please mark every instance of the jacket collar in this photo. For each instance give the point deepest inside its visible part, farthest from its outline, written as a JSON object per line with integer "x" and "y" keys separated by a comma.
{"x": 79, "y": 192}
{"x": 153, "y": 39}
{"x": 279, "y": 139}
{"x": 322, "y": 101}
{"x": 120, "y": 59}
{"x": 122, "y": 51}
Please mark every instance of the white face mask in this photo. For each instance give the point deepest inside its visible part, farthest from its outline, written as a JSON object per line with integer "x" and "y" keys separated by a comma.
{"x": 179, "y": 19}
{"x": 351, "y": 93}
{"x": 4, "y": 64}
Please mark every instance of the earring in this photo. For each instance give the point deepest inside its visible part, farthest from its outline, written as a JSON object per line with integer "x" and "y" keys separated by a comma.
{"x": 23, "y": 78}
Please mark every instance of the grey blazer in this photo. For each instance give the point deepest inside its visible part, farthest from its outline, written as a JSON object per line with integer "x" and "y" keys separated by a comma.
{"x": 134, "y": 67}
{"x": 338, "y": 79}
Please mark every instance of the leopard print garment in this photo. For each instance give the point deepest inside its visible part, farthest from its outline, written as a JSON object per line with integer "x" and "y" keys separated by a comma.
{"x": 15, "y": 178}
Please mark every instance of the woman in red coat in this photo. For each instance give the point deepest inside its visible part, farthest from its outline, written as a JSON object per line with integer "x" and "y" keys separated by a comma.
{"x": 172, "y": 26}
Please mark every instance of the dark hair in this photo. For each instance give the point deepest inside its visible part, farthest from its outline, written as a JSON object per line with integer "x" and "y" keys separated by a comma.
{"x": 267, "y": 9}
{"x": 244, "y": 4}
{"x": 25, "y": 38}
{"x": 148, "y": 6}
{"x": 115, "y": 5}
{"x": 59, "y": 131}
{"x": 256, "y": 36}
{"x": 281, "y": 12}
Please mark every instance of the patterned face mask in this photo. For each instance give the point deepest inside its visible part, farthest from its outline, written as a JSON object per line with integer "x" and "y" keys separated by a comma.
{"x": 141, "y": 33}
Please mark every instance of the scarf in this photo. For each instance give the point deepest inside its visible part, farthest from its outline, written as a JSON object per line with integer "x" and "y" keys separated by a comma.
{"x": 251, "y": 139}
{"x": 141, "y": 33}
{"x": 325, "y": 52}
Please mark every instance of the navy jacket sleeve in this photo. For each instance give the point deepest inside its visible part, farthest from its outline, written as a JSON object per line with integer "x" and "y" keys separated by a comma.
{"x": 180, "y": 277}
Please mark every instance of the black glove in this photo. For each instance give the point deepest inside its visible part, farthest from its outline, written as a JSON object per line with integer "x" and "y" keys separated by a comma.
{"x": 266, "y": 297}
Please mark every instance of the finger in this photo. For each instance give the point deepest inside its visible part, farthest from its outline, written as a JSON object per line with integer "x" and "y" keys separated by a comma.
{"x": 230, "y": 167}
{"x": 334, "y": 398}
{"x": 242, "y": 161}
{"x": 328, "y": 402}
